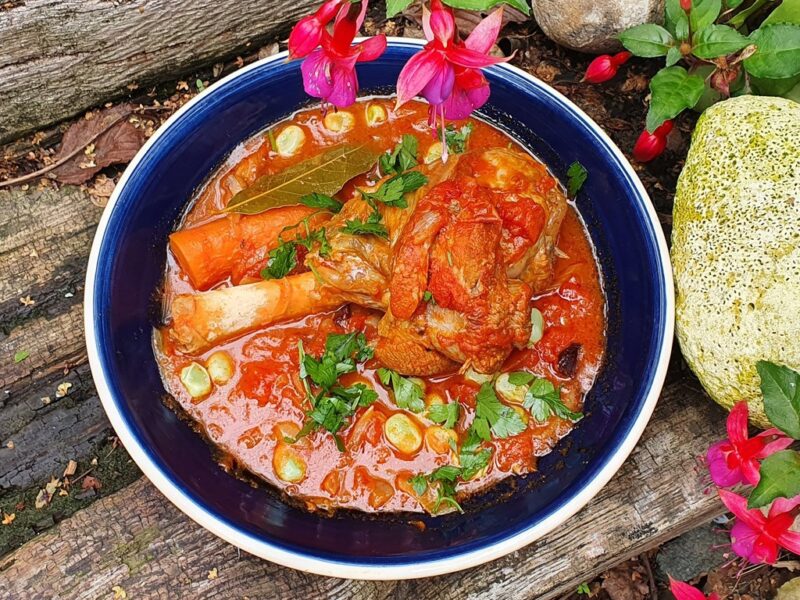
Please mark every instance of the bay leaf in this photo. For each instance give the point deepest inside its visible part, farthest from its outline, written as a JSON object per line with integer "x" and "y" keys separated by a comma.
{"x": 324, "y": 173}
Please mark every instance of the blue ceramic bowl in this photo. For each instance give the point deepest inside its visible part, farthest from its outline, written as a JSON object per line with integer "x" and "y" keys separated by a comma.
{"x": 126, "y": 266}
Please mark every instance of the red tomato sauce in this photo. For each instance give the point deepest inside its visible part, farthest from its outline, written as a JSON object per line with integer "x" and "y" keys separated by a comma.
{"x": 249, "y": 417}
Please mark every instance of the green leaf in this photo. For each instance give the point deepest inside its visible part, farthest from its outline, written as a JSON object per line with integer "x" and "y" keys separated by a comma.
{"x": 474, "y": 462}
{"x": 418, "y": 482}
{"x": 577, "y": 175}
{"x": 457, "y": 139}
{"x": 673, "y": 56}
{"x": 326, "y": 173}
{"x": 787, "y": 11}
{"x": 672, "y": 91}
{"x": 676, "y": 22}
{"x": 407, "y": 393}
{"x": 427, "y": 296}
{"x": 484, "y": 5}
{"x": 482, "y": 429}
{"x": 503, "y": 420}
{"x": 392, "y": 191}
{"x": 281, "y": 261}
{"x": 444, "y": 414}
{"x": 778, "y": 54}
{"x": 402, "y": 158}
{"x": 703, "y": 14}
{"x": 322, "y": 201}
{"x": 781, "y": 389}
{"x": 718, "y": 40}
{"x": 520, "y": 378}
{"x": 21, "y": 355}
{"x": 543, "y": 400}
{"x": 780, "y": 478}
{"x": 729, "y": 4}
{"x": 394, "y": 7}
{"x": 372, "y": 226}
{"x": 648, "y": 40}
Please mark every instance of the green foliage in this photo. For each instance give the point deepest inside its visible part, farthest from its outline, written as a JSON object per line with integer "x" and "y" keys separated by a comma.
{"x": 718, "y": 40}
{"x": 780, "y": 387}
{"x": 672, "y": 91}
{"x": 780, "y": 478}
{"x": 648, "y": 40}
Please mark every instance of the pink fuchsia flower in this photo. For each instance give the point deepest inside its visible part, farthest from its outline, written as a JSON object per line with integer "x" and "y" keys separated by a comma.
{"x": 329, "y": 71}
{"x": 758, "y": 537}
{"x": 605, "y": 66}
{"x": 650, "y": 145}
{"x": 683, "y": 591}
{"x": 686, "y": 5}
{"x": 447, "y": 71}
{"x": 735, "y": 460}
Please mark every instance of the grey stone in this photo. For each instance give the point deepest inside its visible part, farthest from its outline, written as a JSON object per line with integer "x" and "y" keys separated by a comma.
{"x": 592, "y": 26}
{"x": 692, "y": 554}
{"x": 789, "y": 590}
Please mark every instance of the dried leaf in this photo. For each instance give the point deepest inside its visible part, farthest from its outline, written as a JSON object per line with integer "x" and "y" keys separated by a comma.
{"x": 27, "y": 301}
{"x": 42, "y": 499}
{"x": 117, "y": 145}
{"x": 212, "y": 574}
{"x": 119, "y": 593}
{"x": 90, "y": 482}
{"x": 8, "y": 518}
{"x": 52, "y": 486}
{"x": 72, "y": 466}
{"x": 63, "y": 389}
{"x": 324, "y": 173}
{"x": 623, "y": 582}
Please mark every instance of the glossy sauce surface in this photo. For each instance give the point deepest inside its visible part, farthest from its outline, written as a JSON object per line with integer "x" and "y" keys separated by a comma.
{"x": 249, "y": 417}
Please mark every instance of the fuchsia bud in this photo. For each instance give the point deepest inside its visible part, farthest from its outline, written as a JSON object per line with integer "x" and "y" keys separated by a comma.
{"x": 604, "y": 67}
{"x": 307, "y": 34}
{"x": 686, "y": 5}
{"x": 650, "y": 145}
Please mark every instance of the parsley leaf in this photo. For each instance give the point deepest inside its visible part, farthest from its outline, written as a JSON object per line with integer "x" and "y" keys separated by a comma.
{"x": 372, "y": 226}
{"x": 407, "y": 393}
{"x": 474, "y": 462}
{"x": 392, "y": 191}
{"x": 334, "y": 404}
{"x": 503, "y": 420}
{"x": 577, "y": 174}
{"x": 322, "y": 201}
{"x": 543, "y": 400}
{"x": 428, "y": 297}
{"x": 402, "y": 158}
{"x": 444, "y": 414}
{"x": 520, "y": 378}
{"x": 457, "y": 139}
{"x": 281, "y": 261}
{"x": 419, "y": 484}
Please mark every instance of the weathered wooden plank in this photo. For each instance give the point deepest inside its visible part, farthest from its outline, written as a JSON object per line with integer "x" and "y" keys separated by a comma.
{"x": 151, "y": 550}
{"x": 59, "y": 57}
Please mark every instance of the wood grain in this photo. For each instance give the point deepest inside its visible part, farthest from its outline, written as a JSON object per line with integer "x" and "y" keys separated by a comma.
{"x": 59, "y": 57}
{"x": 137, "y": 540}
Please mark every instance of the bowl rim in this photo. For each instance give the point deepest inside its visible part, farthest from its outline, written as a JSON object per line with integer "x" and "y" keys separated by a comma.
{"x": 265, "y": 549}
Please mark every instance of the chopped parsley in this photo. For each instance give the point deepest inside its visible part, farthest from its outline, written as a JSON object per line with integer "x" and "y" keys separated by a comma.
{"x": 402, "y": 158}
{"x": 492, "y": 415}
{"x": 372, "y": 226}
{"x": 543, "y": 399}
{"x": 322, "y": 201}
{"x": 428, "y": 297}
{"x": 473, "y": 457}
{"x": 444, "y": 414}
{"x": 577, "y": 174}
{"x": 282, "y": 260}
{"x": 457, "y": 139}
{"x": 407, "y": 394}
{"x": 333, "y": 404}
{"x": 392, "y": 191}
{"x": 444, "y": 480}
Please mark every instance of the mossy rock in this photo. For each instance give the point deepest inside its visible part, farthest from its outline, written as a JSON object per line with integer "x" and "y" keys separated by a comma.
{"x": 736, "y": 247}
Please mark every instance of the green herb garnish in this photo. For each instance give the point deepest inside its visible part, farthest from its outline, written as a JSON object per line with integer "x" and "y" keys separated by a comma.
{"x": 492, "y": 415}
{"x": 401, "y": 159}
{"x": 543, "y": 400}
{"x": 457, "y": 139}
{"x": 372, "y": 226}
{"x": 407, "y": 393}
{"x": 444, "y": 414}
{"x": 392, "y": 191}
{"x": 577, "y": 174}
{"x": 322, "y": 201}
{"x": 281, "y": 261}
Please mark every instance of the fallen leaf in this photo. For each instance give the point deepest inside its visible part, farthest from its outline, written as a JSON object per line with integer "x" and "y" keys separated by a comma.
{"x": 10, "y": 444}
{"x": 212, "y": 574}
{"x": 27, "y": 301}
{"x": 46, "y": 400}
{"x": 101, "y": 190}
{"x": 119, "y": 593}
{"x": 52, "y": 486}
{"x": 118, "y": 144}
{"x": 63, "y": 389}
{"x": 624, "y": 583}
{"x": 63, "y": 492}
{"x": 41, "y": 499}
{"x": 90, "y": 482}
{"x": 8, "y": 518}
{"x": 72, "y": 466}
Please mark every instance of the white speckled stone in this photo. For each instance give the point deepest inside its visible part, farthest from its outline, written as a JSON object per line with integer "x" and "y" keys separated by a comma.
{"x": 592, "y": 26}
{"x": 736, "y": 246}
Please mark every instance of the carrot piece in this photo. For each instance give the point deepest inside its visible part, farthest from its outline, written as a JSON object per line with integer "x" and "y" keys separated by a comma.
{"x": 234, "y": 245}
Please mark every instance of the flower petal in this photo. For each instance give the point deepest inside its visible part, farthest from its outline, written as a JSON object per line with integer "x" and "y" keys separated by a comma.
{"x": 683, "y": 591}
{"x": 485, "y": 33}
{"x": 345, "y": 85}
{"x": 738, "y": 506}
{"x": 750, "y": 471}
{"x": 416, "y": 73}
{"x": 737, "y": 423}
{"x": 316, "y": 70}
{"x": 305, "y": 36}
{"x": 781, "y": 443}
{"x": 471, "y": 91}
{"x": 717, "y": 460}
{"x": 464, "y": 57}
{"x": 783, "y": 505}
{"x": 791, "y": 541}
{"x": 743, "y": 540}
{"x": 426, "y": 23}
{"x": 441, "y": 23}
{"x": 440, "y": 86}
{"x": 371, "y": 48}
